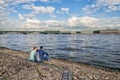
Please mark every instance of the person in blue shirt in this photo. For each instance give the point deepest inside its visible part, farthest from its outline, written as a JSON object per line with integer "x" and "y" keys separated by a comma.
{"x": 32, "y": 54}
{"x": 41, "y": 55}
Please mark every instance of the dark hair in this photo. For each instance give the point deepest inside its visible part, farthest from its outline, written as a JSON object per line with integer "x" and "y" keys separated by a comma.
{"x": 41, "y": 47}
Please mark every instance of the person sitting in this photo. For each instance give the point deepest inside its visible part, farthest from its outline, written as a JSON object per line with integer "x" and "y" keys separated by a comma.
{"x": 32, "y": 54}
{"x": 41, "y": 55}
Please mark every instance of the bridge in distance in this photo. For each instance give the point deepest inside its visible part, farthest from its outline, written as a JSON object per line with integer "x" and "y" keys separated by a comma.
{"x": 57, "y": 31}
{"x": 31, "y": 30}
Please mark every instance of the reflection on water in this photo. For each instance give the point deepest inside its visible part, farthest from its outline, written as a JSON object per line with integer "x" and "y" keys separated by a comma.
{"x": 103, "y": 50}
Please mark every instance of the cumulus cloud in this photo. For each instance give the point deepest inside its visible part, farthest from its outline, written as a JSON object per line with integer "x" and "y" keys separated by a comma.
{"x": 35, "y": 23}
{"x": 20, "y": 17}
{"x": 49, "y": 10}
{"x": 3, "y": 13}
{"x": 31, "y": 23}
{"x": 29, "y": 20}
{"x": 106, "y": 5}
{"x": 39, "y": 9}
{"x": 83, "y": 21}
{"x": 1, "y": 1}
{"x": 27, "y": 7}
{"x": 113, "y": 22}
{"x": 15, "y": 2}
{"x": 7, "y": 7}
{"x": 10, "y": 23}
{"x": 41, "y": 25}
{"x": 44, "y": 0}
{"x": 51, "y": 1}
{"x": 73, "y": 23}
{"x": 63, "y": 11}
{"x": 43, "y": 10}
{"x": 53, "y": 16}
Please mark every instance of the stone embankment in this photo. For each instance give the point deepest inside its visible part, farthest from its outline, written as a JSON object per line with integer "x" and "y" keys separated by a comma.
{"x": 15, "y": 66}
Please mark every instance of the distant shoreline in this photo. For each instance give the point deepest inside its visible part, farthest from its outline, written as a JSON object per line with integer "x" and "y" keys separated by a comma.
{"x": 107, "y": 31}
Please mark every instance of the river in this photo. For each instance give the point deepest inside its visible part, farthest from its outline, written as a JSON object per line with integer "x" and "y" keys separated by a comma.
{"x": 95, "y": 49}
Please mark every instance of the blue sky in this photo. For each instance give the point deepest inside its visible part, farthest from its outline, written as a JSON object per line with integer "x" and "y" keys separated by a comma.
{"x": 60, "y": 14}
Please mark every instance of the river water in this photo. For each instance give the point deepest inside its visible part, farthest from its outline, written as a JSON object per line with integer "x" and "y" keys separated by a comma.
{"x": 94, "y": 49}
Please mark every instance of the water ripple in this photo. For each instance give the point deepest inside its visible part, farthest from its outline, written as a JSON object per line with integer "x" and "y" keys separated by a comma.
{"x": 101, "y": 50}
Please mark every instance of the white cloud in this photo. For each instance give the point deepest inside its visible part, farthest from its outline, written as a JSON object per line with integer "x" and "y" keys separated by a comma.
{"x": 112, "y": 8}
{"x": 44, "y": 0}
{"x": 51, "y": 1}
{"x": 106, "y": 5}
{"x": 112, "y": 22}
{"x": 5, "y": 10}
{"x": 34, "y": 23}
{"x": 29, "y": 20}
{"x": 1, "y": 1}
{"x": 63, "y": 11}
{"x": 83, "y": 21}
{"x": 8, "y": 7}
{"x": 31, "y": 23}
{"x": 15, "y": 2}
{"x": 27, "y": 7}
{"x": 3, "y": 13}
{"x": 53, "y": 16}
{"x": 43, "y": 10}
{"x": 73, "y": 23}
{"x": 10, "y": 23}
{"x": 42, "y": 25}
{"x": 20, "y": 17}
{"x": 39, "y": 9}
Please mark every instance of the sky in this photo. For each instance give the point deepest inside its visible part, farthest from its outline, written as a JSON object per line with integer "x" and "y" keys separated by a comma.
{"x": 60, "y": 14}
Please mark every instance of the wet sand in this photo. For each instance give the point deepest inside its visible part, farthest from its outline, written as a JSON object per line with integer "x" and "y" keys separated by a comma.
{"x": 15, "y": 66}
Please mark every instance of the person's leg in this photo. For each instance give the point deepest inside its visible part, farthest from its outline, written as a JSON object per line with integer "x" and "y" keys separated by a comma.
{"x": 46, "y": 57}
{"x": 41, "y": 60}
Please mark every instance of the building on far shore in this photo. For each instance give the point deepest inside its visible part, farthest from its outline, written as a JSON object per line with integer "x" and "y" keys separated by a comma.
{"x": 110, "y": 31}
{"x": 87, "y": 32}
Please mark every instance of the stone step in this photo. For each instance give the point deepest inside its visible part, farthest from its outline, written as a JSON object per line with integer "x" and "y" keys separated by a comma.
{"x": 67, "y": 75}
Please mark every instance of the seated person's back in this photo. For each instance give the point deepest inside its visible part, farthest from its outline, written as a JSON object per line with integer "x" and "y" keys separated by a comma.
{"x": 32, "y": 54}
{"x": 41, "y": 55}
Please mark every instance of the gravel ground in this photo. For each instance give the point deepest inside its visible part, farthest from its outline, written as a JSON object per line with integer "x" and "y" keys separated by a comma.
{"x": 15, "y": 66}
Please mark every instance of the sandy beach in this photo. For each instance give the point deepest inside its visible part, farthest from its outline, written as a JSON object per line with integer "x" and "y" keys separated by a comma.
{"x": 15, "y": 66}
